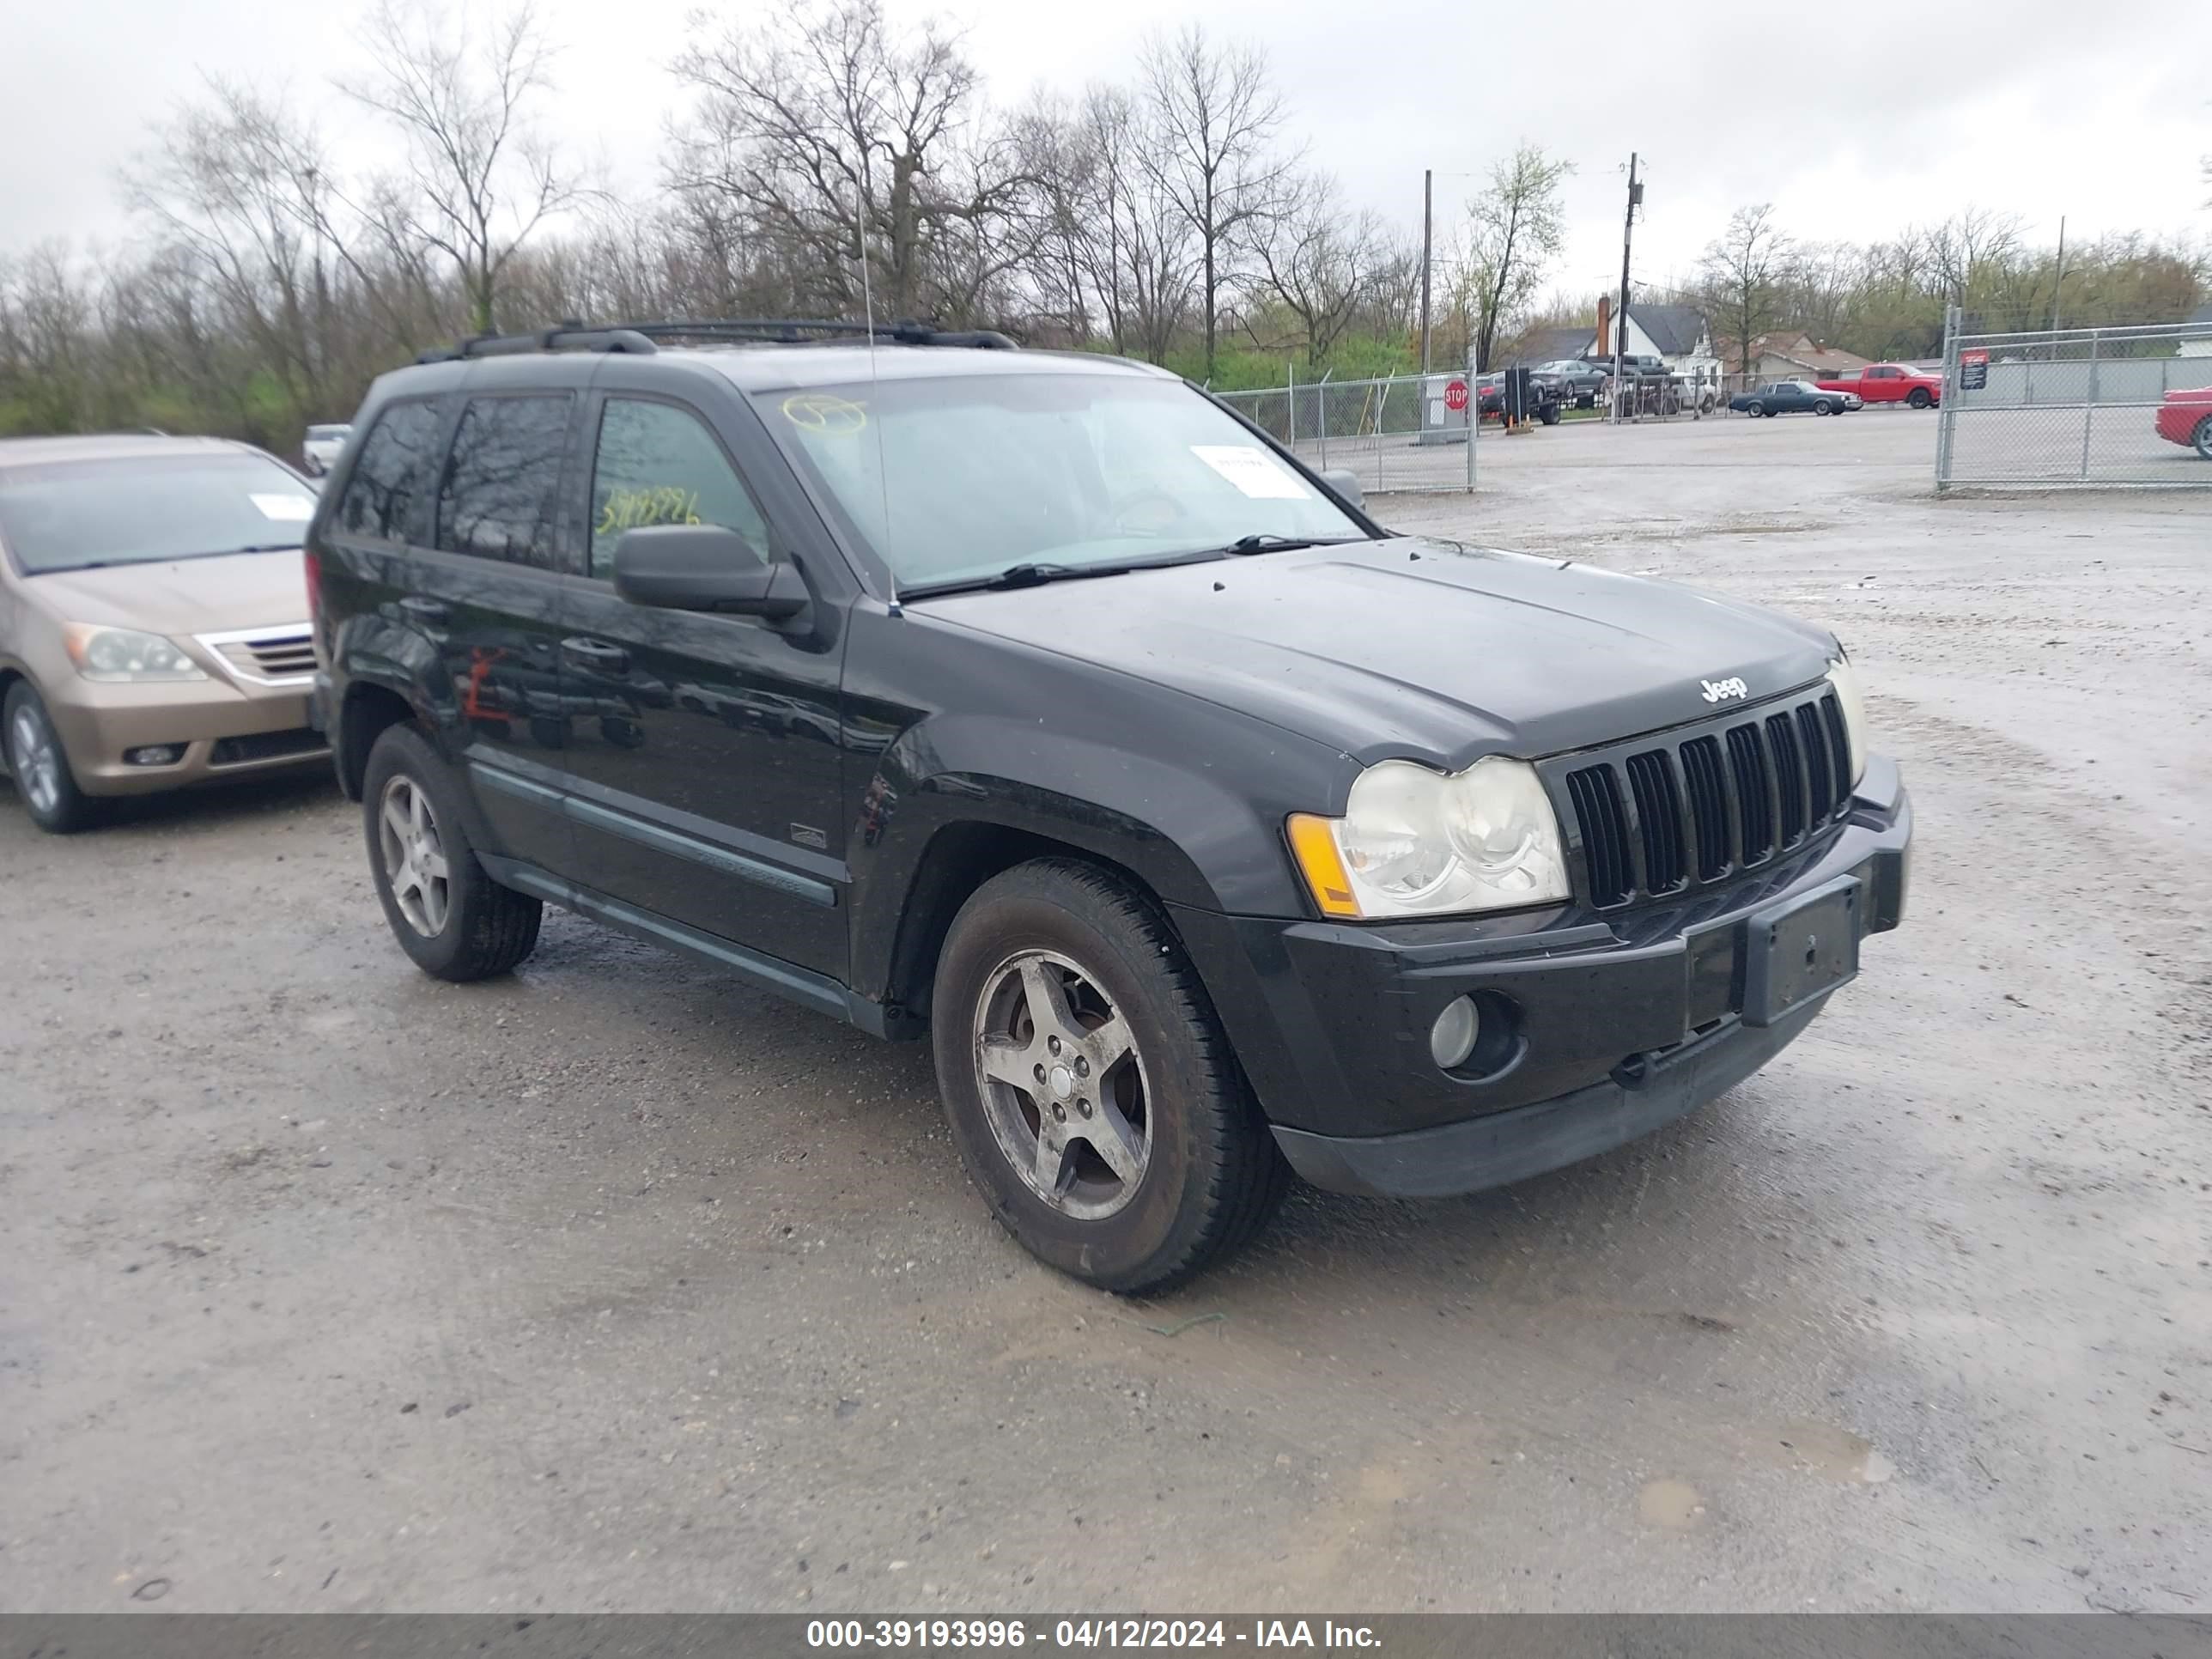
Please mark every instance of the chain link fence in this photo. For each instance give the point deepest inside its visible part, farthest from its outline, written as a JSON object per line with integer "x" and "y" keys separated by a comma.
{"x": 1394, "y": 435}
{"x": 2079, "y": 406}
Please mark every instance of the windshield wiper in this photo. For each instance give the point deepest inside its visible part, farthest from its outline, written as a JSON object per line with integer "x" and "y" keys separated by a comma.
{"x": 1266, "y": 541}
{"x": 1030, "y": 573}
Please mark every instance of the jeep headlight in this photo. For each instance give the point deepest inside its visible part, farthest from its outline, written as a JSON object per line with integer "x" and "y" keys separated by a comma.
{"x": 1845, "y": 680}
{"x": 1414, "y": 843}
{"x": 124, "y": 654}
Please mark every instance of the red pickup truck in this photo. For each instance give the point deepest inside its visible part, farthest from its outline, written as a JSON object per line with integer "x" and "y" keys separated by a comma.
{"x": 1890, "y": 383}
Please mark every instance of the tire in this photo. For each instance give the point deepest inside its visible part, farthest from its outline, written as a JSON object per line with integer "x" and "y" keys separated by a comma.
{"x": 1755, "y": 409}
{"x": 1919, "y": 397}
{"x": 1195, "y": 1172}
{"x": 39, "y": 764}
{"x": 447, "y": 913}
{"x": 2202, "y": 437}
{"x": 1550, "y": 416}
{"x": 1819, "y": 405}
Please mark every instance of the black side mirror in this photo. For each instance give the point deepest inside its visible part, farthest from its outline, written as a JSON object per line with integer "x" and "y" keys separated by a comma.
{"x": 704, "y": 567}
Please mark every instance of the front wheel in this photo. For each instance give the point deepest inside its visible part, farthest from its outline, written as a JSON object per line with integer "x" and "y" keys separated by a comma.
{"x": 1919, "y": 397}
{"x": 1819, "y": 405}
{"x": 1089, "y": 1085}
{"x": 2202, "y": 437}
{"x": 449, "y": 914}
{"x": 1754, "y": 409}
{"x": 41, "y": 766}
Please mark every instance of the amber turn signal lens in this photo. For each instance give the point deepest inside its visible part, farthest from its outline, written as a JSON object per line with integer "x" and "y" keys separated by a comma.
{"x": 1314, "y": 845}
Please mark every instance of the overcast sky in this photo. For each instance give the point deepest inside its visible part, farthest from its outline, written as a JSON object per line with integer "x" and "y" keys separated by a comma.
{"x": 1852, "y": 118}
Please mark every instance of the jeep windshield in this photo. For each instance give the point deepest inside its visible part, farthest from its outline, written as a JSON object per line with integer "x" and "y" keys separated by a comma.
{"x": 144, "y": 509}
{"x": 966, "y": 481}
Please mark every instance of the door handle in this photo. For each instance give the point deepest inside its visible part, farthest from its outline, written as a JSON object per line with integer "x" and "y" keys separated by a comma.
{"x": 424, "y": 610}
{"x": 596, "y": 655}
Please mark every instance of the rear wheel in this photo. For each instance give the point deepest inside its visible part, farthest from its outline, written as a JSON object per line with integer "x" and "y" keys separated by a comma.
{"x": 1089, "y": 1088}
{"x": 445, "y": 911}
{"x": 41, "y": 766}
{"x": 2202, "y": 437}
{"x": 1919, "y": 397}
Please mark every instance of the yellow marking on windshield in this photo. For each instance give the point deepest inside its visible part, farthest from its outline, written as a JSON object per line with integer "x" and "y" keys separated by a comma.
{"x": 824, "y": 412}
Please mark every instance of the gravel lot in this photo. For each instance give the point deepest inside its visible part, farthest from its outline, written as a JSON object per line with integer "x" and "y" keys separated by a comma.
{"x": 323, "y": 1285}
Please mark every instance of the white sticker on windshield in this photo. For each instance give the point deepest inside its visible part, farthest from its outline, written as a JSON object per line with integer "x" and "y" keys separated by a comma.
{"x": 286, "y": 509}
{"x": 1255, "y": 472}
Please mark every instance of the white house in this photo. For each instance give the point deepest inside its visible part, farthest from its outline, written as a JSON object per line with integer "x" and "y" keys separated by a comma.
{"x": 1676, "y": 334}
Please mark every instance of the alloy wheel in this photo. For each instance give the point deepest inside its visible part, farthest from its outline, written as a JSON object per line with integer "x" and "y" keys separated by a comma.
{"x": 415, "y": 865}
{"x": 1064, "y": 1086}
{"x": 36, "y": 761}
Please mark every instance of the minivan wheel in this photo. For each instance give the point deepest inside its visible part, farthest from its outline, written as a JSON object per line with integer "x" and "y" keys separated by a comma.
{"x": 41, "y": 766}
{"x": 445, "y": 911}
{"x": 1089, "y": 1088}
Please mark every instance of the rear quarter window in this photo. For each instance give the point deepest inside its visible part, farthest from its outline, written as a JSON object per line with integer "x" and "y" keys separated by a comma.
{"x": 395, "y": 470}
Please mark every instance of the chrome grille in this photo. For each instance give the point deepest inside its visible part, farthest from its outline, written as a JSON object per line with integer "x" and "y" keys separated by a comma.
{"x": 1691, "y": 808}
{"x": 266, "y": 656}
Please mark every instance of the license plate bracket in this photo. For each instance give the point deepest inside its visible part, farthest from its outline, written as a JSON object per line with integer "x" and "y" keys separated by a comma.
{"x": 1801, "y": 950}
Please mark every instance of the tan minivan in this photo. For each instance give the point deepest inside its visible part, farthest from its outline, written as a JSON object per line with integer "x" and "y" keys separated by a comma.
{"x": 153, "y": 618}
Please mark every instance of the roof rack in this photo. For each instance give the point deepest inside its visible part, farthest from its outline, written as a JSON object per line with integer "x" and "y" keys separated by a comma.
{"x": 638, "y": 339}
{"x": 568, "y": 336}
{"x": 795, "y": 330}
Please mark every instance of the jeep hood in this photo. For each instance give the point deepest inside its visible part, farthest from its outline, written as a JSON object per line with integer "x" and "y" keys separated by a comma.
{"x": 1416, "y": 648}
{"x": 181, "y": 596}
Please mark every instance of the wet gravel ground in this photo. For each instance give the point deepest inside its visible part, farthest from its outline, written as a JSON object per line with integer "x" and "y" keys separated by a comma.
{"x": 323, "y": 1285}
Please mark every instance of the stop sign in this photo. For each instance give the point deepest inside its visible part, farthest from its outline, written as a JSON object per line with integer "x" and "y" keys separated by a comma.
{"x": 1456, "y": 396}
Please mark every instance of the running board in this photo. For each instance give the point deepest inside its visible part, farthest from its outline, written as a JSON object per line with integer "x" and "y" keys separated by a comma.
{"x": 801, "y": 984}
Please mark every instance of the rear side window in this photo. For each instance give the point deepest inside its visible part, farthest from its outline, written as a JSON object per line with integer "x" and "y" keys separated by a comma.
{"x": 501, "y": 498}
{"x": 659, "y": 464}
{"x": 394, "y": 470}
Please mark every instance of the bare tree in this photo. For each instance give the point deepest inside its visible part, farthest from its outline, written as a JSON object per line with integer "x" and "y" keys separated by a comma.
{"x": 1319, "y": 261}
{"x": 1127, "y": 249}
{"x": 479, "y": 180}
{"x": 819, "y": 124}
{"x": 1519, "y": 224}
{"x": 1743, "y": 272}
{"x": 235, "y": 185}
{"x": 1962, "y": 245}
{"x": 1214, "y": 117}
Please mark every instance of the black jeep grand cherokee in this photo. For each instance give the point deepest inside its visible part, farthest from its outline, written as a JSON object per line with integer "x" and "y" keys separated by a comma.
{"x": 1036, "y": 703}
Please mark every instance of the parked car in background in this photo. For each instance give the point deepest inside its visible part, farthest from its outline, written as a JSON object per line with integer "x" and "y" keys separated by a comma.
{"x": 1546, "y": 396}
{"x": 1584, "y": 383}
{"x": 319, "y": 452}
{"x": 1890, "y": 383}
{"x": 1792, "y": 398}
{"x": 2185, "y": 417}
{"x": 153, "y": 618}
{"x": 1414, "y": 867}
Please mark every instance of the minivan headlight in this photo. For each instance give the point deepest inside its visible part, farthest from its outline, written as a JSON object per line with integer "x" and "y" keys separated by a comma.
{"x": 1414, "y": 843}
{"x": 1845, "y": 680}
{"x": 124, "y": 654}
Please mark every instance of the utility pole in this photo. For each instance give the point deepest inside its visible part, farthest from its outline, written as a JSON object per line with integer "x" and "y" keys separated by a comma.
{"x": 2058, "y": 287}
{"x": 1627, "y": 230}
{"x": 1428, "y": 181}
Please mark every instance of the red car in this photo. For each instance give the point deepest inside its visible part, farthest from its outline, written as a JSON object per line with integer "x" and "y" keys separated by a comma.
{"x": 1890, "y": 383}
{"x": 2185, "y": 417}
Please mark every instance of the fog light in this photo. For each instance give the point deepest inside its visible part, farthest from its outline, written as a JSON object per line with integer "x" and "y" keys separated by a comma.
{"x": 1453, "y": 1035}
{"x": 154, "y": 754}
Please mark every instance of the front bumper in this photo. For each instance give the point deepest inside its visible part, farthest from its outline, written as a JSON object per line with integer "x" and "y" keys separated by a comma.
{"x": 1619, "y": 1024}
{"x": 224, "y": 731}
